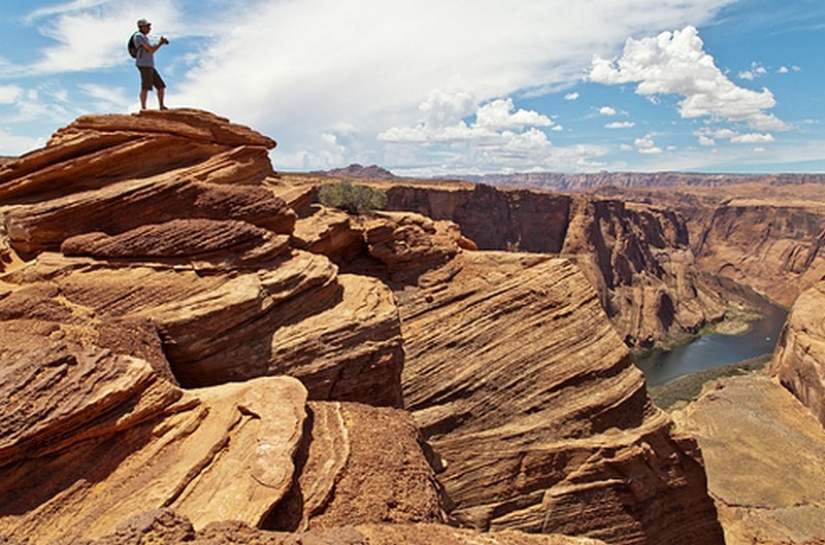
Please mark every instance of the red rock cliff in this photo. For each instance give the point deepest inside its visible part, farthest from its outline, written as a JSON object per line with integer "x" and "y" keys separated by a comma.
{"x": 637, "y": 256}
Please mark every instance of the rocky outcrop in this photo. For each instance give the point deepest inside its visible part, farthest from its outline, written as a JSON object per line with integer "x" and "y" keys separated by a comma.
{"x": 557, "y": 435}
{"x": 111, "y": 439}
{"x": 763, "y": 454}
{"x": 180, "y": 338}
{"x": 196, "y": 251}
{"x": 183, "y": 274}
{"x": 637, "y": 256}
{"x": 98, "y": 150}
{"x": 799, "y": 359}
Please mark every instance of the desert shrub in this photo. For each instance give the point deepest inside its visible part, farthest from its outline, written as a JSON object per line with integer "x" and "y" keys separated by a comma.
{"x": 355, "y": 199}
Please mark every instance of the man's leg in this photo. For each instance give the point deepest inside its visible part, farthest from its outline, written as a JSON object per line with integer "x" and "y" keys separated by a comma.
{"x": 160, "y": 85}
{"x": 145, "y": 84}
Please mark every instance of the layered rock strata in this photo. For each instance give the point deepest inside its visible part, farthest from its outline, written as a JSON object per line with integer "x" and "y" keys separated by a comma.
{"x": 775, "y": 247}
{"x": 91, "y": 438}
{"x": 197, "y": 251}
{"x": 637, "y": 256}
{"x": 145, "y": 339}
{"x": 799, "y": 359}
{"x": 541, "y": 422}
{"x": 765, "y": 236}
{"x": 184, "y": 274}
{"x": 522, "y": 386}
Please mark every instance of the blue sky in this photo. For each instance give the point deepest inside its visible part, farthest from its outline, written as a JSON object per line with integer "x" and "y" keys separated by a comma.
{"x": 440, "y": 87}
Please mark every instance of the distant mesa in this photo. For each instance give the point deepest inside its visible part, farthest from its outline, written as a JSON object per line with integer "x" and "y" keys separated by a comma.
{"x": 558, "y": 181}
{"x": 372, "y": 172}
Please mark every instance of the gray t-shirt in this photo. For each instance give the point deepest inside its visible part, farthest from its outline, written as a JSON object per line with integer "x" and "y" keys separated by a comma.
{"x": 144, "y": 56}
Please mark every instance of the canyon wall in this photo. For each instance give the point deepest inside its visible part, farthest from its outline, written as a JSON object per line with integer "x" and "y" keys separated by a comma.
{"x": 767, "y": 237}
{"x": 799, "y": 359}
{"x": 557, "y": 181}
{"x": 637, "y": 256}
{"x": 186, "y": 334}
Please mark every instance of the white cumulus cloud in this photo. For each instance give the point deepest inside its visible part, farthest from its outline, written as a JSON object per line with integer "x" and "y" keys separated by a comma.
{"x": 752, "y": 138}
{"x": 646, "y": 145}
{"x": 675, "y": 63}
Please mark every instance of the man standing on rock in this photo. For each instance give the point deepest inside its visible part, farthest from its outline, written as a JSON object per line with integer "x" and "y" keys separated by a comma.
{"x": 145, "y": 62}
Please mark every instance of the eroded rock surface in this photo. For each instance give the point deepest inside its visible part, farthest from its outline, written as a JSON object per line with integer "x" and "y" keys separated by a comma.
{"x": 157, "y": 451}
{"x": 529, "y": 398}
{"x": 229, "y": 452}
{"x": 637, "y": 256}
{"x": 799, "y": 359}
{"x": 146, "y": 337}
{"x": 763, "y": 452}
{"x": 189, "y": 245}
{"x": 769, "y": 237}
{"x": 165, "y": 527}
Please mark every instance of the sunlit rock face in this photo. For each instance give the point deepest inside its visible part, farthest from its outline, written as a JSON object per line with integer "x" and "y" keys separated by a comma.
{"x": 186, "y": 335}
{"x": 540, "y": 421}
{"x": 637, "y": 256}
{"x": 799, "y": 359}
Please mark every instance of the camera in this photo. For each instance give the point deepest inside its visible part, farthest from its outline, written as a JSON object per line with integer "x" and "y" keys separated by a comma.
{"x": 163, "y": 40}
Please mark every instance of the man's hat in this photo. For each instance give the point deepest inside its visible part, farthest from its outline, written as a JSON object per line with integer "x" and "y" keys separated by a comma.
{"x": 143, "y": 22}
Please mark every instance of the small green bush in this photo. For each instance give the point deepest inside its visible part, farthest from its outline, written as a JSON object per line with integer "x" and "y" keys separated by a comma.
{"x": 355, "y": 199}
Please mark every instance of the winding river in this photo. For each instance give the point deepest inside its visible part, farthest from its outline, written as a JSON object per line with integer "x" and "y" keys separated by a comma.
{"x": 714, "y": 350}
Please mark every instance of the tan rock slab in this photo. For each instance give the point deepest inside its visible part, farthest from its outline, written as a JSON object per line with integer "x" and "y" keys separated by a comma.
{"x": 763, "y": 454}
{"x": 224, "y": 453}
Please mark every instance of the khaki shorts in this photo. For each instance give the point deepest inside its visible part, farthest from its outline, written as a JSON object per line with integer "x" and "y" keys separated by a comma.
{"x": 149, "y": 78}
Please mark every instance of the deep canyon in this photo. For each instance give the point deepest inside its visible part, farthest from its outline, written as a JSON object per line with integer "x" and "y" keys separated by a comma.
{"x": 194, "y": 350}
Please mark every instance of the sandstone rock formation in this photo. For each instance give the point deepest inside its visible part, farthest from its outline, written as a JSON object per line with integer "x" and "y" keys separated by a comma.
{"x": 520, "y": 433}
{"x": 120, "y": 440}
{"x": 774, "y": 247}
{"x": 763, "y": 453}
{"x": 151, "y": 270}
{"x": 799, "y": 359}
{"x": 637, "y": 256}
{"x": 530, "y": 399}
{"x": 206, "y": 260}
{"x": 164, "y": 296}
{"x": 165, "y": 527}
{"x": 765, "y": 236}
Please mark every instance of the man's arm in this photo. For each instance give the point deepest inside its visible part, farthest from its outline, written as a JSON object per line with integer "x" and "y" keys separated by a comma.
{"x": 152, "y": 48}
